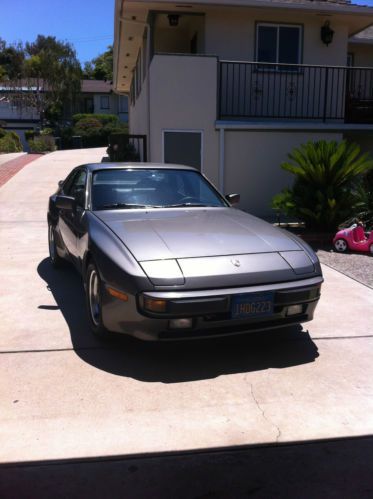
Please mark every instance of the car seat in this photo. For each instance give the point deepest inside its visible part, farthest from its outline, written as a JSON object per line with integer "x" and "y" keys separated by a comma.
{"x": 358, "y": 234}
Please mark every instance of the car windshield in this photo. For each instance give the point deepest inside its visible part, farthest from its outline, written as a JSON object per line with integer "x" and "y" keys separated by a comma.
{"x": 156, "y": 188}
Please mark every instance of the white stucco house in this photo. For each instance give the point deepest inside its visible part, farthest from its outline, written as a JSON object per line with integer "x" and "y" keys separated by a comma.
{"x": 197, "y": 91}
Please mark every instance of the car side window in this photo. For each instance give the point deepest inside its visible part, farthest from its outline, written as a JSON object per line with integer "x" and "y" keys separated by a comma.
{"x": 68, "y": 183}
{"x": 77, "y": 188}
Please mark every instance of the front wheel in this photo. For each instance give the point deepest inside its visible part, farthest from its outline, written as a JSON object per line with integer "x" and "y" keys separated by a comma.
{"x": 94, "y": 301}
{"x": 341, "y": 246}
{"x": 371, "y": 249}
{"x": 55, "y": 258}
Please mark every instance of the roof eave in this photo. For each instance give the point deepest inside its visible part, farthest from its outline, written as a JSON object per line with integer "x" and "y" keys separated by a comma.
{"x": 122, "y": 24}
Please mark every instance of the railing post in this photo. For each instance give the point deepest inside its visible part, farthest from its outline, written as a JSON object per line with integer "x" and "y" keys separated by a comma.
{"x": 325, "y": 93}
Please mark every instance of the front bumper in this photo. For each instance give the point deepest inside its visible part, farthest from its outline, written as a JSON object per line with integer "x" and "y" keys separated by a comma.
{"x": 210, "y": 311}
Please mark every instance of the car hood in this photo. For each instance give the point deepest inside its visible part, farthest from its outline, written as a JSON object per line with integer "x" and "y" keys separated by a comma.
{"x": 160, "y": 234}
{"x": 216, "y": 247}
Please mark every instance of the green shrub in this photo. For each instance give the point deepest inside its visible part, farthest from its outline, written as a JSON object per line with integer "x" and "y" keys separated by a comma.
{"x": 95, "y": 129}
{"x": 80, "y": 116}
{"x": 108, "y": 119}
{"x": 90, "y": 129}
{"x": 10, "y": 142}
{"x": 104, "y": 119}
{"x": 328, "y": 177}
{"x": 87, "y": 126}
{"x": 2, "y": 133}
{"x": 46, "y": 131}
{"x": 43, "y": 143}
{"x": 29, "y": 134}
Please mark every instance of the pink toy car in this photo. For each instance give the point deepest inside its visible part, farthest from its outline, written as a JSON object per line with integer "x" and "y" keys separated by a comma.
{"x": 353, "y": 238}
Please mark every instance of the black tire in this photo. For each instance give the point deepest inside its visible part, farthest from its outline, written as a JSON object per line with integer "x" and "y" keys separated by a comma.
{"x": 371, "y": 249}
{"x": 55, "y": 258}
{"x": 93, "y": 293}
{"x": 341, "y": 246}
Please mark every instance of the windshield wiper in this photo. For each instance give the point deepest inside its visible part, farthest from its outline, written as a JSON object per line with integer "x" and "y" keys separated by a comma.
{"x": 110, "y": 206}
{"x": 181, "y": 205}
{"x": 125, "y": 205}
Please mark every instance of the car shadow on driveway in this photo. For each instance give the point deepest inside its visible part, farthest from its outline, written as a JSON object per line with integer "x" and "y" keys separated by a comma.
{"x": 172, "y": 362}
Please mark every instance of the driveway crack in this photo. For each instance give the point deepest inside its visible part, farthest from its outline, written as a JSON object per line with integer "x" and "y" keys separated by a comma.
{"x": 278, "y": 436}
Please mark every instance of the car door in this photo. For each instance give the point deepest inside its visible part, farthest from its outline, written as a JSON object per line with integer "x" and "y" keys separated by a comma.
{"x": 70, "y": 221}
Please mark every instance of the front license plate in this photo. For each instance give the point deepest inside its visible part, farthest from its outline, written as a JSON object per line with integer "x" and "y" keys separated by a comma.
{"x": 252, "y": 305}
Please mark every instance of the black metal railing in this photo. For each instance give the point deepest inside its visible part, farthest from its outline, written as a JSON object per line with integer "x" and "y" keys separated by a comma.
{"x": 295, "y": 91}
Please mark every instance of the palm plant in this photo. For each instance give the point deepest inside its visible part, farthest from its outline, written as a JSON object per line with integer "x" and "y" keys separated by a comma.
{"x": 364, "y": 208}
{"x": 328, "y": 179}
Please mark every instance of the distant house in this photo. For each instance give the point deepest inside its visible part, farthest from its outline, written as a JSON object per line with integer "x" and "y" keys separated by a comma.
{"x": 231, "y": 87}
{"x": 97, "y": 97}
{"x": 17, "y": 118}
{"x": 12, "y": 114}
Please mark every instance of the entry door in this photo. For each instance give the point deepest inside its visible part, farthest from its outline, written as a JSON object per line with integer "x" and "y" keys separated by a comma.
{"x": 183, "y": 148}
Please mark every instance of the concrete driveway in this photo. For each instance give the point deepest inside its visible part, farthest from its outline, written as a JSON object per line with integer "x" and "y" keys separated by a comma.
{"x": 63, "y": 395}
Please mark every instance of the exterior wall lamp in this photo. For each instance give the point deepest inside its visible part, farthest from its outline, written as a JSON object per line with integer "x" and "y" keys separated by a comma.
{"x": 173, "y": 19}
{"x": 327, "y": 33}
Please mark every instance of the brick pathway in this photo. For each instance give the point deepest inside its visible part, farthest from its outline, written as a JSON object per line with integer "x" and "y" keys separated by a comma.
{"x": 10, "y": 168}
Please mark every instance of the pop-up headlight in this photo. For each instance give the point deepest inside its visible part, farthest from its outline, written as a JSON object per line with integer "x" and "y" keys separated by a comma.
{"x": 163, "y": 272}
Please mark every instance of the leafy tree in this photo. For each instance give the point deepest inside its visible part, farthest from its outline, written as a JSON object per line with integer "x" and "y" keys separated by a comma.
{"x": 328, "y": 176}
{"x": 11, "y": 61}
{"x": 54, "y": 70}
{"x": 101, "y": 67}
{"x": 44, "y": 74}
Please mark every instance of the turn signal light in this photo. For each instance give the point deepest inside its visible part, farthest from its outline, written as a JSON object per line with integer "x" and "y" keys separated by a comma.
{"x": 154, "y": 305}
{"x": 117, "y": 294}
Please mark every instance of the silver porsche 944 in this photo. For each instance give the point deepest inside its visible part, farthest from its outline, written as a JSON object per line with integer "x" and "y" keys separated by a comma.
{"x": 164, "y": 255}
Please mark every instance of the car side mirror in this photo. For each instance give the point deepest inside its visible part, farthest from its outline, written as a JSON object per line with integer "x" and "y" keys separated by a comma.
{"x": 65, "y": 203}
{"x": 60, "y": 183}
{"x": 233, "y": 198}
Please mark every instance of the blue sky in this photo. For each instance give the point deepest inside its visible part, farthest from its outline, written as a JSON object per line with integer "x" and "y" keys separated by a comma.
{"x": 87, "y": 24}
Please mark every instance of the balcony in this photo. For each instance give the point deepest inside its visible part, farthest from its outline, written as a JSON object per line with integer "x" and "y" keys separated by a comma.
{"x": 268, "y": 91}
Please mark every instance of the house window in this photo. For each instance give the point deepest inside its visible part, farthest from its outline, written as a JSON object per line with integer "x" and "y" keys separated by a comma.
{"x": 104, "y": 102}
{"x": 279, "y": 43}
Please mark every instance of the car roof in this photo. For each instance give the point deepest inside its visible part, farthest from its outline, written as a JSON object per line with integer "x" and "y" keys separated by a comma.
{"x": 140, "y": 166}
